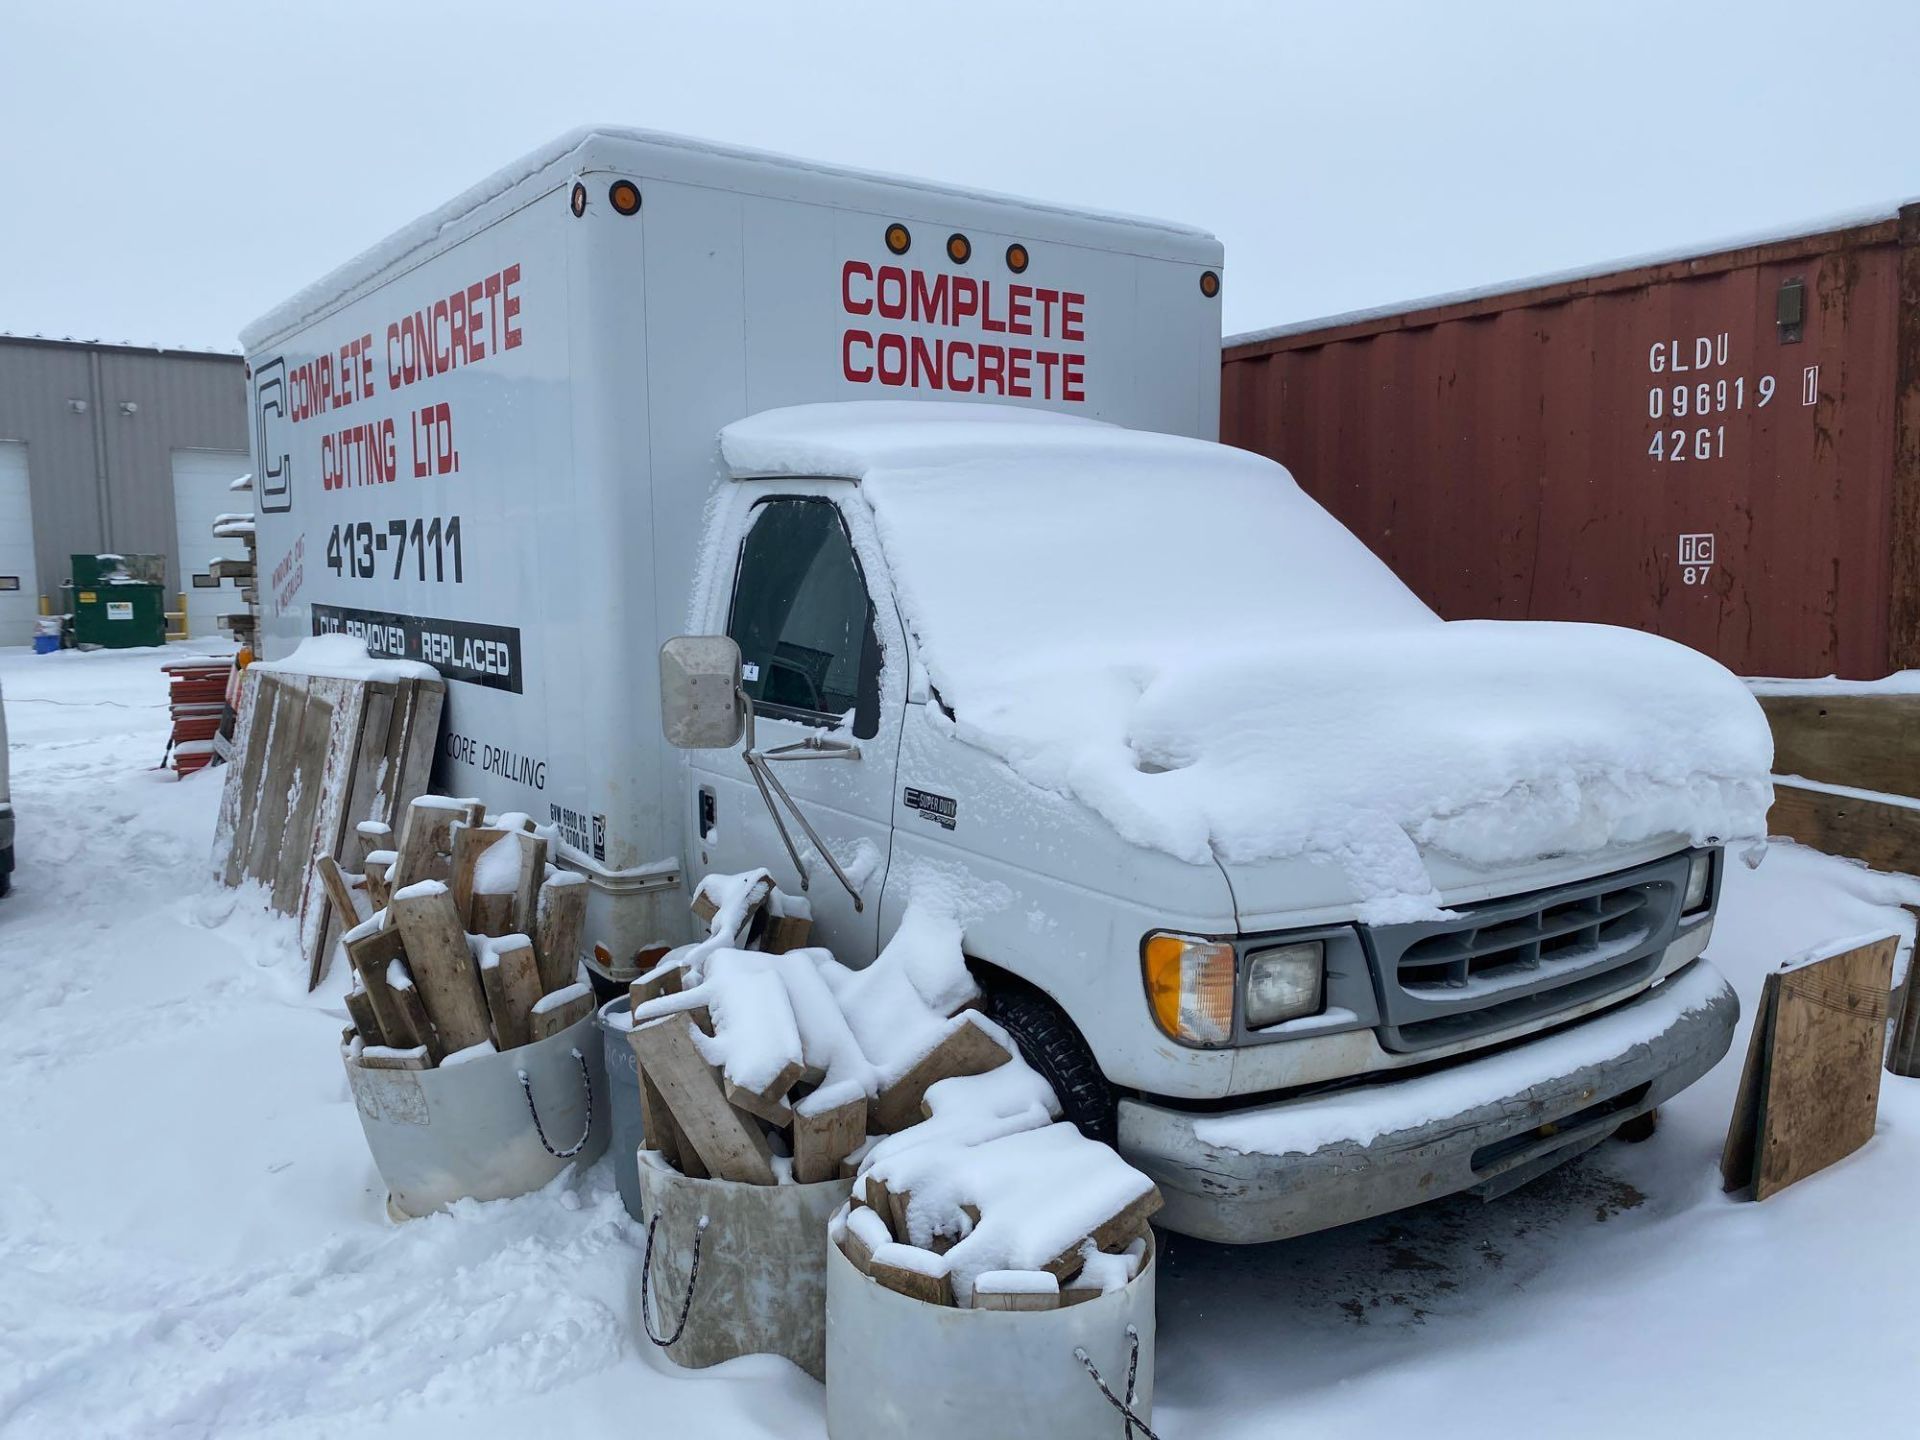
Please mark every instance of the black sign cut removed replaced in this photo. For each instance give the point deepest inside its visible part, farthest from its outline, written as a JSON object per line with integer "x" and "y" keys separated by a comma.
{"x": 467, "y": 650}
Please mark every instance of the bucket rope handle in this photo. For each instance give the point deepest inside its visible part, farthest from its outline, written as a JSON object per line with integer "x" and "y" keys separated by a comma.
{"x": 526, "y": 1088}
{"x": 1125, "y": 1407}
{"x": 646, "y": 1280}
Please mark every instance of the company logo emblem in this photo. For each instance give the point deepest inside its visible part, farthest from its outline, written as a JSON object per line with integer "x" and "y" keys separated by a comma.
{"x": 272, "y": 447}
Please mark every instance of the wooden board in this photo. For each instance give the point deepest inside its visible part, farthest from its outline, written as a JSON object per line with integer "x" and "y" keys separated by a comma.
{"x": 552, "y": 1019}
{"x": 821, "y": 1141}
{"x": 370, "y": 956}
{"x": 1885, "y": 836}
{"x": 443, "y": 968}
{"x": 561, "y": 911}
{"x": 1903, "y": 1056}
{"x": 909, "y": 1280}
{"x": 965, "y": 1050}
{"x": 1870, "y": 742}
{"x": 277, "y": 767}
{"x": 314, "y": 756}
{"x": 730, "y": 1145}
{"x": 323, "y": 810}
{"x": 526, "y": 890}
{"x": 407, "y": 997}
{"x": 1810, "y": 1093}
{"x": 519, "y": 987}
{"x": 491, "y": 915}
{"x": 769, "y": 1104}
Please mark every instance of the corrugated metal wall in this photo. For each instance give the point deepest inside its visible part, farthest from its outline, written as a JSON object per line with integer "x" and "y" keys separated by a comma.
{"x": 102, "y": 478}
{"x": 1655, "y": 448}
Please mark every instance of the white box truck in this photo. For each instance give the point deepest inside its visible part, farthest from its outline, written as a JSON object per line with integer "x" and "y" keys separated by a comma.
{"x": 924, "y": 478}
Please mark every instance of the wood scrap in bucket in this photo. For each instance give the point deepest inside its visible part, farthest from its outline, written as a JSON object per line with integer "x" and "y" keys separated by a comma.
{"x": 757, "y": 1067}
{"x": 424, "y": 980}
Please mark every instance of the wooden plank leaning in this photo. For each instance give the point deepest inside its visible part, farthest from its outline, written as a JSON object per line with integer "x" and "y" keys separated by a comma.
{"x": 441, "y": 962}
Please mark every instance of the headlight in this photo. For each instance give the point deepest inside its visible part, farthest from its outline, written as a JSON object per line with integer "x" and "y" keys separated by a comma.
{"x": 1284, "y": 983}
{"x": 1190, "y": 987}
{"x": 1699, "y": 881}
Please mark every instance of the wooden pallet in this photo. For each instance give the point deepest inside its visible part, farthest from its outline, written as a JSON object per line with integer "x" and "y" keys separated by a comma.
{"x": 313, "y": 756}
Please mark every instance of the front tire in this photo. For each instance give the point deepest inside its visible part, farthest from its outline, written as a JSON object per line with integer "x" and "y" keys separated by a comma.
{"x": 1051, "y": 1044}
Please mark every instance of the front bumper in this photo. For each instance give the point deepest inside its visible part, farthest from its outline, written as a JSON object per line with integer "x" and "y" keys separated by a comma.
{"x": 1272, "y": 1171}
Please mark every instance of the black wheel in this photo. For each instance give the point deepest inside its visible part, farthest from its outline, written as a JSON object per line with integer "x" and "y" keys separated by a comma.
{"x": 1639, "y": 1128}
{"x": 1051, "y": 1044}
{"x": 6, "y": 870}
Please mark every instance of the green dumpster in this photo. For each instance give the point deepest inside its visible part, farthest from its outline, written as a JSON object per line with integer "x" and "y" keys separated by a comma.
{"x": 119, "y": 601}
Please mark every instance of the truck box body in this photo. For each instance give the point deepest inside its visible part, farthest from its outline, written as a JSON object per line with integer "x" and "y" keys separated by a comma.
{"x": 1052, "y": 680}
{"x": 489, "y": 442}
{"x": 1722, "y": 448}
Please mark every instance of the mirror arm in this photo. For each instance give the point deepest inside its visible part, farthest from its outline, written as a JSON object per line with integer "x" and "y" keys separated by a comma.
{"x": 769, "y": 786}
{"x": 766, "y": 795}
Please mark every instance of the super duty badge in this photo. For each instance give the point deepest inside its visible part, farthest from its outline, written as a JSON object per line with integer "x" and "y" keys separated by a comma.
{"x": 938, "y": 808}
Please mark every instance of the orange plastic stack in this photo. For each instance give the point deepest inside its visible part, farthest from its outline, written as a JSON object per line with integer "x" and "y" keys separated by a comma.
{"x": 196, "y": 694}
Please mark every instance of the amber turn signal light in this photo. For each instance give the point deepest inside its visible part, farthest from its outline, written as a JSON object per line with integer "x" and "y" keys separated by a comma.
{"x": 1189, "y": 987}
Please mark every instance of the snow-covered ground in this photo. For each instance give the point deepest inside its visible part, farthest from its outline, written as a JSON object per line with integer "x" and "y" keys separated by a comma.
{"x": 193, "y": 1241}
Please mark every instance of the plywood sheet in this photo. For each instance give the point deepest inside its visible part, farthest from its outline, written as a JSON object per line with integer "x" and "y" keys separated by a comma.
{"x": 1810, "y": 1094}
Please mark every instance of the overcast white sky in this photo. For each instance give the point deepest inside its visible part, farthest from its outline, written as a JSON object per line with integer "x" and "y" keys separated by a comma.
{"x": 169, "y": 171}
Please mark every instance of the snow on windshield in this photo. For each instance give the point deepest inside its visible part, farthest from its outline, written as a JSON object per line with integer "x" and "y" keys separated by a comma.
{"x": 1174, "y": 634}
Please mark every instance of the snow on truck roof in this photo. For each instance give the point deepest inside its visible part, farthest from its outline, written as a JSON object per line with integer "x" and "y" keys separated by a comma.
{"x": 670, "y": 151}
{"x": 1176, "y": 635}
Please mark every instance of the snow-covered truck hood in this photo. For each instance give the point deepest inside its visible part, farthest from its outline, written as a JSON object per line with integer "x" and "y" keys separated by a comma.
{"x": 1177, "y": 636}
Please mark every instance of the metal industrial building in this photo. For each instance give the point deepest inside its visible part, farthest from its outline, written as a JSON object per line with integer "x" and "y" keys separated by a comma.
{"x": 116, "y": 448}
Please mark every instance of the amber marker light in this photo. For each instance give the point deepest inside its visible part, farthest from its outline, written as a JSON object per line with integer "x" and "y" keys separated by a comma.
{"x": 1189, "y": 987}
{"x": 959, "y": 248}
{"x": 579, "y": 201}
{"x": 1017, "y": 258}
{"x": 1209, "y": 283}
{"x": 898, "y": 240}
{"x": 625, "y": 196}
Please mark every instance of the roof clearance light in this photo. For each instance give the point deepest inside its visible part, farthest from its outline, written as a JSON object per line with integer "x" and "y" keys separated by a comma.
{"x": 1209, "y": 283}
{"x": 1017, "y": 258}
{"x": 579, "y": 201}
{"x": 898, "y": 240}
{"x": 625, "y": 196}
{"x": 959, "y": 248}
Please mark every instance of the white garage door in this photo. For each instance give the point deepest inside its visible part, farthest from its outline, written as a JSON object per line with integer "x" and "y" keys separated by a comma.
{"x": 200, "y": 481}
{"x": 19, "y": 593}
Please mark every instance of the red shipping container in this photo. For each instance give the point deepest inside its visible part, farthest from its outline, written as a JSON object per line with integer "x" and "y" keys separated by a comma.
{"x": 1723, "y": 449}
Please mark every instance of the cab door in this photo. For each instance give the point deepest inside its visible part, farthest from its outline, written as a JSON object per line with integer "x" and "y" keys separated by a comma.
{"x": 820, "y": 660}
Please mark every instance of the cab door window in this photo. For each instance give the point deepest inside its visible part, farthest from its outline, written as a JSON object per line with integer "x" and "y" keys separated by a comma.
{"x": 803, "y": 619}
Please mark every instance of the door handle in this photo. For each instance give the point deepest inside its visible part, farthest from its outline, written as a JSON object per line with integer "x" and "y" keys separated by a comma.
{"x": 709, "y": 808}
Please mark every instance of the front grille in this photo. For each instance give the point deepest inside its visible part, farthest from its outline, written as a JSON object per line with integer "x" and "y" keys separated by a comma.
{"x": 1510, "y": 961}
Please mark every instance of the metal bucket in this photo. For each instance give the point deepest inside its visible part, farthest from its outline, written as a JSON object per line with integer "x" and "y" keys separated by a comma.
{"x": 762, "y": 1256}
{"x": 897, "y": 1366}
{"x": 623, "y": 1100}
{"x": 478, "y": 1130}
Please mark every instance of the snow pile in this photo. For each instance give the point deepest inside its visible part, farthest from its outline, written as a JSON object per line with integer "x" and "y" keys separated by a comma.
{"x": 854, "y": 1028}
{"x": 248, "y": 1281}
{"x": 345, "y": 657}
{"x": 1174, "y": 634}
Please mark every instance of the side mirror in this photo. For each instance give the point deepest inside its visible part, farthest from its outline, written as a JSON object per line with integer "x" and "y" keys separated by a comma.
{"x": 699, "y": 692}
